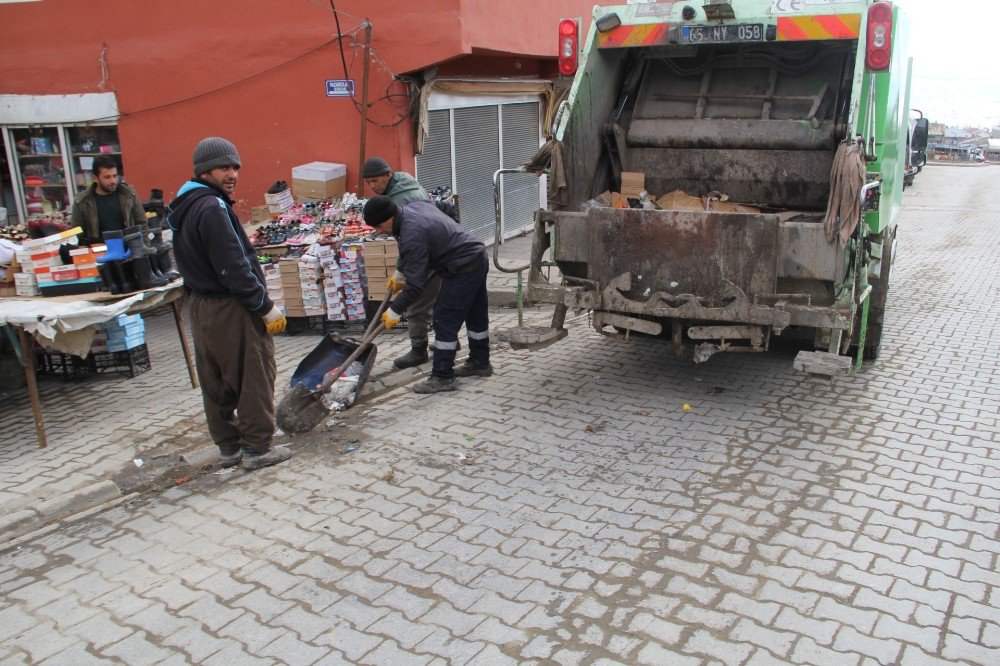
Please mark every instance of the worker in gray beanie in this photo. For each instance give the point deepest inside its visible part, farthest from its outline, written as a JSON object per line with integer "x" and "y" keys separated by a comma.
{"x": 233, "y": 318}
{"x": 214, "y": 152}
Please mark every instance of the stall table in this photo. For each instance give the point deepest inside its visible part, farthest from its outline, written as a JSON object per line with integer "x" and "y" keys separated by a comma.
{"x": 64, "y": 323}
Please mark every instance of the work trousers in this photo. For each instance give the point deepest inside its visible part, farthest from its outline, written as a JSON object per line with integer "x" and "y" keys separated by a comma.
{"x": 418, "y": 315}
{"x": 235, "y": 360}
{"x": 462, "y": 300}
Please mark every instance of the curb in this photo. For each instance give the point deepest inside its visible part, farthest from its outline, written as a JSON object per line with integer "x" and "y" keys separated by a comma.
{"x": 23, "y": 521}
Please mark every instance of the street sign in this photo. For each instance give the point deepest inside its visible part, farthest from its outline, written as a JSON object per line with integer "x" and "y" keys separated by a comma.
{"x": 340, "y": 88}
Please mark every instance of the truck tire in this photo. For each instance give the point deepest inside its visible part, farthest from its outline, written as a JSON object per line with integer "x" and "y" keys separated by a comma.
{"x": 876, "y": 308}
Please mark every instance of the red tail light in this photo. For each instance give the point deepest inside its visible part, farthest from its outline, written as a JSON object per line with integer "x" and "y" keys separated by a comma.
{"x": 569, "y": 46}
{"x": 879, "y": 52}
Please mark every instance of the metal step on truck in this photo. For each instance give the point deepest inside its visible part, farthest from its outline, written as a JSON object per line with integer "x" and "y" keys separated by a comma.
{"x": 721, "y": 173}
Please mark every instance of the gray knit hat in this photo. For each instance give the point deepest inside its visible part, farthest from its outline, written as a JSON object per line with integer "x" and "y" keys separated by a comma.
{"x": 214, "y": 152}
{"x": 375, "y": 166}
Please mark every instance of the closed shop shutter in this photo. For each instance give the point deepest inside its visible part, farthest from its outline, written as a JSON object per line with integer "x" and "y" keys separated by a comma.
{"x": 519, "y": 129}
{"x": 477, "y": 156}
{"x": 434, "y": 166}
{"x": 464, "y": 147}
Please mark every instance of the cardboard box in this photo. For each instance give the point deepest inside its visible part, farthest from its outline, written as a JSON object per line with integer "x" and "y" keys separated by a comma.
{"x": 632, "y": 183}
{"x": 319, "y": 180}
{"x": 261, "y": 214}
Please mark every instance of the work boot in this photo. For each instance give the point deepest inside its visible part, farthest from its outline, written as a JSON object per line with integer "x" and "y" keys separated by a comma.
{"x": 416, "y": 356}
{"x": 435, "y": 384}
{"x": 252, "y": 461}
{"x": 472, "y": 369}
{"x": 231, "y": 460}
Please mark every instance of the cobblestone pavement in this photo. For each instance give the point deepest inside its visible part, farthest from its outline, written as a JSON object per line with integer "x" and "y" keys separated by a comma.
{"x": 569, "y": 510}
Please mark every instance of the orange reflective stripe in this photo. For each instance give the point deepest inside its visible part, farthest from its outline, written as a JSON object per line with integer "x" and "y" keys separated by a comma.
{"x": 830, "y": 26}
{"x": 633, "y": 35}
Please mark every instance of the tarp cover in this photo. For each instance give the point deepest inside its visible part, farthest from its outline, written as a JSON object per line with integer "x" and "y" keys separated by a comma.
{"x": 63, "y": 323}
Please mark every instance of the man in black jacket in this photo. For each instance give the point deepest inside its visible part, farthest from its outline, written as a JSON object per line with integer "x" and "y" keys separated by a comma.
{"x": 429, "y": 240}
{"x": 232, "y": 318}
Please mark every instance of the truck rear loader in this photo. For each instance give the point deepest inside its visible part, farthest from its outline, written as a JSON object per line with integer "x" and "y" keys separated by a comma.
{"x": 765, "y": 143}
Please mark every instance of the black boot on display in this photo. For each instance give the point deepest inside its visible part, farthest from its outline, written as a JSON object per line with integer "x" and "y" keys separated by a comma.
{"x": 122, "y": 273}
{"x": 416, "y": 356}
{"x": 146, "y": 274}
{"x": 154, "y": 204}
{"x": 108, "y": 277}
{"x": 162, "y": 259}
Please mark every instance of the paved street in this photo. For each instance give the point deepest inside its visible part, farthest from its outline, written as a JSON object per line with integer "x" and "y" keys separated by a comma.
{"x": 567, "y": 510}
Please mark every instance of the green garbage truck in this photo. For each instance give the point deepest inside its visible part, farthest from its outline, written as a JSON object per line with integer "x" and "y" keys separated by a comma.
{"x": 723, "y": 173}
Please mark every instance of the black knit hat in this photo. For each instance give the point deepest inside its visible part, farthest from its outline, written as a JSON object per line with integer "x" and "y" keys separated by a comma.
{"x": 214, "y": 152}
{"x": 375, "y": 166}
{"x": 379, "y": 209}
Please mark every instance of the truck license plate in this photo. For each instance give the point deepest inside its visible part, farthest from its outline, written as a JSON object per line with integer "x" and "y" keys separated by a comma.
{"x": 710, "y": 34}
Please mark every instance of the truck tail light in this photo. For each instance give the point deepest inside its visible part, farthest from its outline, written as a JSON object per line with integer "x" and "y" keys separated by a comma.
{"x": 569, "y": 40}
{"x": 879, "y": 47}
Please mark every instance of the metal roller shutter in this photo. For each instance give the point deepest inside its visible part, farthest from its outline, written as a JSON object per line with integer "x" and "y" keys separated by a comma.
{"x": 434, "y": 166}
{"x": 520, "y": 141}
{"x": 477, "y": 156}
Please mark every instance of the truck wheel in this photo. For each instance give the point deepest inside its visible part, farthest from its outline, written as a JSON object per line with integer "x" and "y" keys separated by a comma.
{"x": 876, "y": 307}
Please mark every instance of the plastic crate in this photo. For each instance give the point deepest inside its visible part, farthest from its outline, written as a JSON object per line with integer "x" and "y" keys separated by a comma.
{"x": 66, "y": 366}
{"x": 130, "y": 362}
{"x": 320, "y": 325}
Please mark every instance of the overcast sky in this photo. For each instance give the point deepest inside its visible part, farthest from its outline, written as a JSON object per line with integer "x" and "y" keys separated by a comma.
{"x": 955, "y": 46}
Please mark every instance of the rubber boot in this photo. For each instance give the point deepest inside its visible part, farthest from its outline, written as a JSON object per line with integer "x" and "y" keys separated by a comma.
{"x": 121, "y": 272}
{"x": 146, "y": 273}
{"x": 108, "y": 277}
{"x": 115, "y": 242}
{"x": 154, "y": 204}
{"x": 161, "y": 260}
{"x": 416, "y": 356}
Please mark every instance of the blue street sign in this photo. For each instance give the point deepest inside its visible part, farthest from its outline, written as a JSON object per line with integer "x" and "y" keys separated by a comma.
{"x": 340, "y": 88}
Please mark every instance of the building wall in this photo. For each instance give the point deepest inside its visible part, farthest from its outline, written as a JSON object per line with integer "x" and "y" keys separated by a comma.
{"x": 253, "y": 71}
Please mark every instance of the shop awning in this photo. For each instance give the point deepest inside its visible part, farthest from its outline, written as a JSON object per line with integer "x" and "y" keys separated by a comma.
{"x": 58, "y": 109}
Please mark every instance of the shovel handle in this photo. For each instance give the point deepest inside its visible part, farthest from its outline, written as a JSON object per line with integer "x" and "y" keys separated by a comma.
{"x": 372, "y": 332}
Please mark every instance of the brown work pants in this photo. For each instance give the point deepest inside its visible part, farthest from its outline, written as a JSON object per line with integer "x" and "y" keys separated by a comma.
{"x": 420, "y": 314}
{"x": 235, "y": 359}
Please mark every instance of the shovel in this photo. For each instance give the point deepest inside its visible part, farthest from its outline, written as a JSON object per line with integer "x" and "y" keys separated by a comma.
{"x": 302, "y": 408}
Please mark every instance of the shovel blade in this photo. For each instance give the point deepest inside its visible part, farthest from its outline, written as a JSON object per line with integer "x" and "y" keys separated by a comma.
{"x": 300, "y": 410}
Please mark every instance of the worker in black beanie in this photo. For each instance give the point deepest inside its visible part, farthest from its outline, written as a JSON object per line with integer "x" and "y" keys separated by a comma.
{"x": 428, "y": 241}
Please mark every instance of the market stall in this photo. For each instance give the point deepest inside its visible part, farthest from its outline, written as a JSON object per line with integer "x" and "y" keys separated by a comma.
{"x": 68, "y": 324}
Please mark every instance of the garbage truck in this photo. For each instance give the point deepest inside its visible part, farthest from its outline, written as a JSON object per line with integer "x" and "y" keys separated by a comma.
{"x": 724, "y": 173}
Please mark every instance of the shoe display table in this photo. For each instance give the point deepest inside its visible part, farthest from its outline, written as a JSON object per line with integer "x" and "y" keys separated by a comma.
{"x": 64, "y": 323}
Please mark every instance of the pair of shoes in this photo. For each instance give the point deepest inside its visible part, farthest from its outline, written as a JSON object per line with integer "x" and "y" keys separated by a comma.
{"x": 231, "y": 460}
{"x": 472, "y": 369}
{"x": 435, "y": 384}
{"x": 252, "y": 461}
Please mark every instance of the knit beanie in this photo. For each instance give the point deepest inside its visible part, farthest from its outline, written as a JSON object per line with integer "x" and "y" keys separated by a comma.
{"x": 375, "y": 166}
{"x": 212, "y": 153}
{"x": 379, "y": 209}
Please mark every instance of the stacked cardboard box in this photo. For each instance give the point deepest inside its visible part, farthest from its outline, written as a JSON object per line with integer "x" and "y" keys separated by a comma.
{"x": 52, "y": 278}
{"x": 352, "y": 276}
{"x": 120, "y": 334}
{"x": 300, "y": 280}
{"x": 380, "y": 264}
{"x": 275, "y": 290}
{"x": 332, "y": 284}
{"x": 279, "y": 202}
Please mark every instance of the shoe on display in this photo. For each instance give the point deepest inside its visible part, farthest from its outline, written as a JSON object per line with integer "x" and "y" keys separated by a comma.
{"x": 278, "y": 454}
{"x": 435, "y": 384}
{"x": 472, "y": 369}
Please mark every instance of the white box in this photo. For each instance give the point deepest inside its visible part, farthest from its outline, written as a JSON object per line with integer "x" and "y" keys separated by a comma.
{"x": 319, "y": 171}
